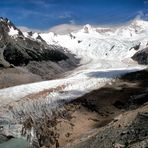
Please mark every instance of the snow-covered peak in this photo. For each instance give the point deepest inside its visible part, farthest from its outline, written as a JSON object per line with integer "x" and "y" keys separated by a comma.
{"x": 139, "y": 23}
{"x": 13, "y": 31}
{"x": 50, "y": 37}
{"x": 139, "y": 26}
{"x": 87, "y": 28}
{"x": 92, "y": 43}
{"x": 6, "y": 20}
{"x": 132, "y": 30}
{"x": 7, "y": 27}
{"x": 35, "y": 35}
{"x": 26, "y": 34}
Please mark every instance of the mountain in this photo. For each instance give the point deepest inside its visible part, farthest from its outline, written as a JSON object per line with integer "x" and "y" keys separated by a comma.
{"x": 95, "y": 85}
{"x": 105, "y": 43}
{"x": 34, "y": 56}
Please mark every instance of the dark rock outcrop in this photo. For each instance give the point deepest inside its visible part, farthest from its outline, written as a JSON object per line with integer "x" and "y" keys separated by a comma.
{"x": 141, "y": 56}
{"x": 34, "y": 57}
{"x": 122, "y": 137}
{"x": 18, "y": 50}
{"x": 136, "y": 47}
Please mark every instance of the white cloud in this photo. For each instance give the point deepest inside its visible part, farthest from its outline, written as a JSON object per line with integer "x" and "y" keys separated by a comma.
{"x": 140, "y": 15}
{"x": 59, "y": 29}
{"x": 26, "y": 29}
{"x": 65, "y": 28}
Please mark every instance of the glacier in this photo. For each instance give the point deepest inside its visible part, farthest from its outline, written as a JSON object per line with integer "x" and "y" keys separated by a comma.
{"x": 105, "y": 54}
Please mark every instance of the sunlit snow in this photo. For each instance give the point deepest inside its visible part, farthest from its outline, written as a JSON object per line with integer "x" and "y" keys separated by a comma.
{"x": 13, "y": 31}
{"x": 105, "y": 54}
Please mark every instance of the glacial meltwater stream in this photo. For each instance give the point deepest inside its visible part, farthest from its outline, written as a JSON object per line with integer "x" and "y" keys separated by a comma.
{"x": 15, "y": 143}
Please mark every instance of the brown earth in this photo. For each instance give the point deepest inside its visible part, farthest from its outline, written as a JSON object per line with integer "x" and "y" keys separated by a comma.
{"x": 108, "y": 113}
{"x": 15, "y": 76}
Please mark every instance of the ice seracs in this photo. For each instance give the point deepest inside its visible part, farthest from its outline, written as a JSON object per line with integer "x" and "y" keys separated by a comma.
{"x": 92, "y": 43}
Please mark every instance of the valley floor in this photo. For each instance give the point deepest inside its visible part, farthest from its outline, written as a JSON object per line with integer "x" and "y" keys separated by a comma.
{"x": 115, "y": 115}
{"x": 81, "y": 115}
{"x": 74, "y": 84}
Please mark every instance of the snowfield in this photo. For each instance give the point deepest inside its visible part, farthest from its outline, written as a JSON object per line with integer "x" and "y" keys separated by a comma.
{"x": 104, "y": 52}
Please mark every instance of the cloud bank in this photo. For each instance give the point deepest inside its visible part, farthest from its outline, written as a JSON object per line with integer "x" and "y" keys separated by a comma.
{"x": 59, "y": 29}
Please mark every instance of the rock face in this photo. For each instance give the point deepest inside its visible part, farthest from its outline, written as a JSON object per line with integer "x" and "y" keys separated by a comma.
{"x": 19, "y": 50}
{"x": 141, "y": 56}
{"x": 34, "y": 56}
{"x": 133, "y": 135}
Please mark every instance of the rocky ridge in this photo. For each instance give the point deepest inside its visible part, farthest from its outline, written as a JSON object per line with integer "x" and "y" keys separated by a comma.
{"x": 35, "y": 57}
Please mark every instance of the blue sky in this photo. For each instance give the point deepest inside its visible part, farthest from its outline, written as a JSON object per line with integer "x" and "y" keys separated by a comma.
{"x": 43, "y": 14}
